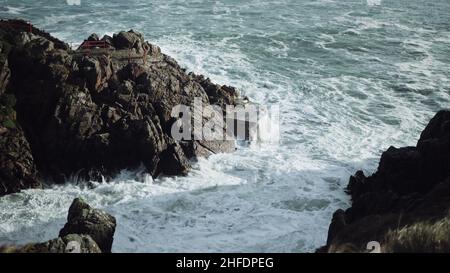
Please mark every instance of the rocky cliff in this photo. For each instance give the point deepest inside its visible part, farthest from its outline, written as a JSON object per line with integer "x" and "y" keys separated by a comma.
{"x": 404, "y": 205}
{"x": 93, "y": 112}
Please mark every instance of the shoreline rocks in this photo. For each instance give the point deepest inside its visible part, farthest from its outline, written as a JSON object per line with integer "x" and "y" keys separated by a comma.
{"x": 92, "y": 113}
{"x": 87, "y": 230}
{"x": 82, "y": 219}
{"x": 410, "y": 192}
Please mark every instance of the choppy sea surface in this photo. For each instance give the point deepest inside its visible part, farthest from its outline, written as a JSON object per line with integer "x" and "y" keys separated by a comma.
{"x": 350, "y": 77}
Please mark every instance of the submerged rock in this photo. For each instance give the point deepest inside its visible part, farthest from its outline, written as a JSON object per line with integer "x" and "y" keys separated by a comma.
{"x": 92, "y": 113}
{"x": 409, "y": 191}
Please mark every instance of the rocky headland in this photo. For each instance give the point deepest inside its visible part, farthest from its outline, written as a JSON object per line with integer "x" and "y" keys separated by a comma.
{"x": 92, "y": 112}
{"x": 404, "y": 206}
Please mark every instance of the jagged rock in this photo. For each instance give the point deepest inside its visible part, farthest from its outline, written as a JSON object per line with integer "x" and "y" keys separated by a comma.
{"x": 4, "y": 74}
{"x": 133, "y": 71}
{"x": 337, "y": 224}
{"x": 108, "y": 39}
{"x": 152, "y": 50}
{"x": 96, "y": 71}
{"x": 17, "y": 169}
{"x": 356, "y": 184}
{"x": 87, "y": 230}
{"x": 174, "y": 161}
{"x": 128, "y": 39}
{"x": 82, "y": 219}
{"x": 23, "y": 39}
{"x": 410, "y": 188}
{"x": 93, "y": 114}
{"x": 93, "y": 37}
{"x": 40, "y": 45}
{"x": 437, "y": 129}
{"x": 221, "y": 95}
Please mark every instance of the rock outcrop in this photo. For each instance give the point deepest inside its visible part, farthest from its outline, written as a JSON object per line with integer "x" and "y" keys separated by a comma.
{"x": 72, "y": 243}
{"x": 87, "y": 230}
{"x": 82, "y": 219}
{"x": 17, "y": 167}
{"x": 93, "y": 112}
{"x": 409, "y": 192}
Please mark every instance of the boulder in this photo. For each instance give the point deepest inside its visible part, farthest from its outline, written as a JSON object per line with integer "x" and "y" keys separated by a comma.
{"x": 87, "y": 230}
{"x": 93, "y": 37}
{"x": 108, "y": 39}
{"x": 82, "y": 219}
{"x": 128, "y": 39}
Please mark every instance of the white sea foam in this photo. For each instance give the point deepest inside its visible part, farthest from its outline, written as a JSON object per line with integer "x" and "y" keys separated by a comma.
{"x": 14, "y": 10}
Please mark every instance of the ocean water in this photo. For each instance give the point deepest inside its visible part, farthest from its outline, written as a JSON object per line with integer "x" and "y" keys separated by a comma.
{"x": 351, "y": 78}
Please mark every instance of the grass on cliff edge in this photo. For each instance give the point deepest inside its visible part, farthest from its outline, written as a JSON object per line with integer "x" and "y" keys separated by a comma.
{"x": 420, "y": 238}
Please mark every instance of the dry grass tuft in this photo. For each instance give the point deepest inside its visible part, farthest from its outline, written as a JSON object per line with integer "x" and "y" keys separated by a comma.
{"x": 420, "y": 238}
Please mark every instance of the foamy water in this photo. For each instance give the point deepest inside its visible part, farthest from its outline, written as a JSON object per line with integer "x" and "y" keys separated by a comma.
{"x": 350, "y": 79}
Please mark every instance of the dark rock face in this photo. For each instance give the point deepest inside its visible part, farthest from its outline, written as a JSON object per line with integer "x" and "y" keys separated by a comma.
{"x": 17, "y": 167}
{"x": 4, "y": 74}
{"x": 92, "y": 114}
{"x": 82, "y": 219}
{"x": 87, "y": 230}
{"x": 411, "y": 186}
{"x": 17, "y": 170}
{"x": 128, "y": 39}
